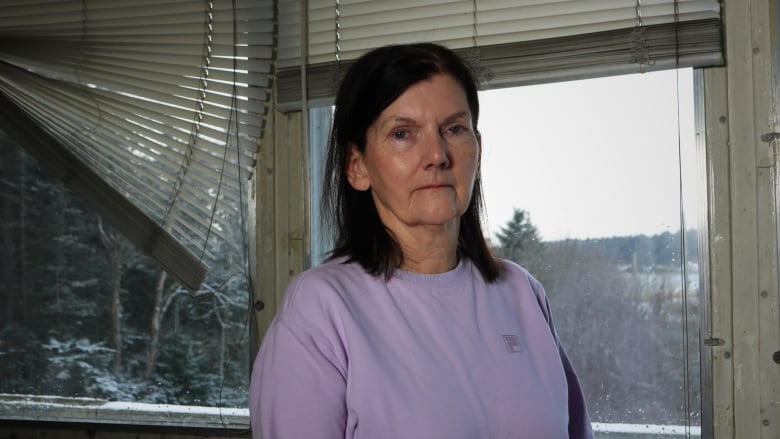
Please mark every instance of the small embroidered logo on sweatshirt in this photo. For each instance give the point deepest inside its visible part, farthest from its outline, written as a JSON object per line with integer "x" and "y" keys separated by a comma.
{"x": 512, "y": 343}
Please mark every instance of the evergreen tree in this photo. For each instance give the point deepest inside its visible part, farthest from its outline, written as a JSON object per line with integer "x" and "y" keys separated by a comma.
{"x": 519, "y": 241}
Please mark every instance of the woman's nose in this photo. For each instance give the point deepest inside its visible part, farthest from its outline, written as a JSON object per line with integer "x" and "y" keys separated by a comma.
{"x": 438, "y": 152}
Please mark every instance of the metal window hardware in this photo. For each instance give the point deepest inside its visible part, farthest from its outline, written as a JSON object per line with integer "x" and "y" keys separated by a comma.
{"x": 770, "y": 137}
{"x": 714, "y": 341}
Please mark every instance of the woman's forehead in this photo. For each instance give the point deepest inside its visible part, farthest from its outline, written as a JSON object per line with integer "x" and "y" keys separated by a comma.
{"x": 441, "y": 97}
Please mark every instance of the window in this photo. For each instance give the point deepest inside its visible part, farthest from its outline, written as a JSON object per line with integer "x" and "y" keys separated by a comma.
{"x": 595, "y": 213}
{"x": 153, "y": 114}
{"x": 86, "y": 315}
{"x": 595, "y": 168}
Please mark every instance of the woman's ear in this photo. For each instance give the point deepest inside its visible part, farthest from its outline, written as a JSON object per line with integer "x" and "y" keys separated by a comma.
{"x": 357, "y": 175}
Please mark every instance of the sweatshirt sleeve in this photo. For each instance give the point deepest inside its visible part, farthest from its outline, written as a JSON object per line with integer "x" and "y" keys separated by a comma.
{"x": 298, "y": 387}
{"x": 579, "y": 421}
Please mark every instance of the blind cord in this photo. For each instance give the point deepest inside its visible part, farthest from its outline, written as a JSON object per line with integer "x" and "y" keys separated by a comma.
{"x": 245, "y": 272}
{"x": 683, "y": 230}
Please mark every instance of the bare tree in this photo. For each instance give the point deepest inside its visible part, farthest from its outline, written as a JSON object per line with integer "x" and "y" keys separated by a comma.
{"x": 154, "y": 327}
{"x": 114, "y": 244}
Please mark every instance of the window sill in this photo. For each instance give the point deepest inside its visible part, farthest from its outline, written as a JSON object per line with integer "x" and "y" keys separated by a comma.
{"x": 97, "y": 411}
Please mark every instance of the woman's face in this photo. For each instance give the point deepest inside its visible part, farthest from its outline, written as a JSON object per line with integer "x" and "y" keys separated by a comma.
{"x": 421, "y": 157}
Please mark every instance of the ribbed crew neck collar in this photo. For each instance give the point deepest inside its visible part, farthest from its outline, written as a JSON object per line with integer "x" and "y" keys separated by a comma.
{"x": 454, "y": 276}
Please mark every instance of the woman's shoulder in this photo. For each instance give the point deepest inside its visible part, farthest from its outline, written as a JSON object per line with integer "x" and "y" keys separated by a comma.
{"x": 515, "y": 274}
{"x": 323, "y": 286}
{"x": 512, "y": 270}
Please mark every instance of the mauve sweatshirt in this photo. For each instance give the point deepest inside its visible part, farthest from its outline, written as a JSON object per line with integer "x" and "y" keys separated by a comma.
{"x": 351, "y": 355}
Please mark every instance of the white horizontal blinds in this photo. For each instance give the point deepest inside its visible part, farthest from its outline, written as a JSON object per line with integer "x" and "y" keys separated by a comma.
{"x": 517, "y": 39}
{"x": 164, "y": 99}
{"x": 113, "y": 206}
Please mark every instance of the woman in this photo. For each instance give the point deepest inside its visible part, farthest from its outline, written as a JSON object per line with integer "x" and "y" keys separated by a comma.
{"x": 412, "y": 329}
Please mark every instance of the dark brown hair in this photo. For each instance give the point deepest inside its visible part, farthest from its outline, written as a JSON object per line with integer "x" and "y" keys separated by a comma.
{"x": 370, "y": 85}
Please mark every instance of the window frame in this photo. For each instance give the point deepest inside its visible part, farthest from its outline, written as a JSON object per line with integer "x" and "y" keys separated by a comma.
{"x": 320, "y": 118}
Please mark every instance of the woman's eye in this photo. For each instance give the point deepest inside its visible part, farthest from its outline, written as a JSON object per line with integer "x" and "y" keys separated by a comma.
{"x": 400, "y": 134}
{"x": 456, "y": 129}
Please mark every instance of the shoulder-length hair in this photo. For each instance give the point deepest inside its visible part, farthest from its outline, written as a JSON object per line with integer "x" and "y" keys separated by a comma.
{"x": 370, "y": 85}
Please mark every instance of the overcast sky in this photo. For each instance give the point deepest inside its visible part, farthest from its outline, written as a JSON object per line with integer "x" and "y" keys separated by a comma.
{"x": 589, "y": 158}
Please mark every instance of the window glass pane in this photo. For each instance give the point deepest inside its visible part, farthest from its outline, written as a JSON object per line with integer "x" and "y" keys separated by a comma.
{"x": 85, "y": 314}
{"x": 588, "y": 185}
{"x": 582, "y": 185}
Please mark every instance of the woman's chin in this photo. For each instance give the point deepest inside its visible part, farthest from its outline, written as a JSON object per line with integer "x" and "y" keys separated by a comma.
{"x": 440, "y": 217}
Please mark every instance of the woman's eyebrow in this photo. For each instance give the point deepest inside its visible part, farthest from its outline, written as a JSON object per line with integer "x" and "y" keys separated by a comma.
{"x": 463, "y": 114}
{"x": 458, "y": 115}
{"x": 398, "y": 119}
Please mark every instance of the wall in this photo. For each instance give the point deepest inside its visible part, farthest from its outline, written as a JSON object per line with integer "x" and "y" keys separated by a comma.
{"x": 745, "y": 331}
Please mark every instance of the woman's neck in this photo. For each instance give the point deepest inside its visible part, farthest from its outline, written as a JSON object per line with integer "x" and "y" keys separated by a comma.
{"x": 431, "y": 251}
